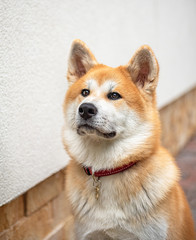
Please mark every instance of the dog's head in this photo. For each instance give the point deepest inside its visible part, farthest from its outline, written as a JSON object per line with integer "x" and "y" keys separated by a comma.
{"x": 108, "y": 109}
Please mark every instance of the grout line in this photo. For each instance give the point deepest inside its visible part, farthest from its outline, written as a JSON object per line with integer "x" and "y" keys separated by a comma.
{"x": 54, "y": 231}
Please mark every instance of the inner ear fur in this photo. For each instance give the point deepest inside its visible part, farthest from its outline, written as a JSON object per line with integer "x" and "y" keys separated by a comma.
{"x": 143, "y": 68}
{"x": 81, "y": 60}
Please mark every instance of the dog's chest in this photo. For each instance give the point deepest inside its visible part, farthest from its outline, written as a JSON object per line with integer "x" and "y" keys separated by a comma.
{"x": 105, "y": 222}
{"x": 113, "y": 215}
{"x": 106, "y": 209}
{"x": 102, "y": 214}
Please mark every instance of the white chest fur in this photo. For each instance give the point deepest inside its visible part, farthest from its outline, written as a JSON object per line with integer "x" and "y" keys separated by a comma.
{"x": 114, "y": 216}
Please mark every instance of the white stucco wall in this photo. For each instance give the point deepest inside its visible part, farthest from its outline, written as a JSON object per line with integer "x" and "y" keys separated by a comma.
{"x": 35, "y": 37}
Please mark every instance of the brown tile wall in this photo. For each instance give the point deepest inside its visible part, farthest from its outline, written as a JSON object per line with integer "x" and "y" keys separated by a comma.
{"x": 178, "y": 121}
{"x": 40, "y": 213}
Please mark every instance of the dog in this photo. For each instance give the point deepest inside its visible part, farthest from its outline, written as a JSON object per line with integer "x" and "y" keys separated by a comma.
{"x": 121, "y": 183}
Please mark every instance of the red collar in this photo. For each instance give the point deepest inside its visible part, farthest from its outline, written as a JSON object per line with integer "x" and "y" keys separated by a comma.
{"x": 102, "y": 173}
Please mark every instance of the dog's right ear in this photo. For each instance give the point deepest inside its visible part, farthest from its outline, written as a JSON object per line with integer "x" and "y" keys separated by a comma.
{"x": 81, "y": 60}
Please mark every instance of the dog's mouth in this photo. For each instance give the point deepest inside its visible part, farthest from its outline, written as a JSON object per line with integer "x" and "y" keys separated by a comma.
{"x": 89, "y": 130}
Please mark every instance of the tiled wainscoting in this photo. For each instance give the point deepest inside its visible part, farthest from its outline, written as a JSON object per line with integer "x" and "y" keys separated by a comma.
{"x": 40, "y": 213}
{"x": 179, "y": 121}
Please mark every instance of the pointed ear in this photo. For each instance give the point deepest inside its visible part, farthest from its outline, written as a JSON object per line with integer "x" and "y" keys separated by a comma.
{"x": 81, "y": 60}
{"x": 143, "y": 68}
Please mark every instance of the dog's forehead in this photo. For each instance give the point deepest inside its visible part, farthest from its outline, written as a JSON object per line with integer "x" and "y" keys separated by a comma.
{"x": 106, "y": 78}
{"x": 106, "y": 86}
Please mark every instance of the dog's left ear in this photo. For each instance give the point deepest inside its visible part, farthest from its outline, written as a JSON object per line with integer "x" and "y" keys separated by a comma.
{"x": 81, "y": 60}
{"x": 143, "y": 68}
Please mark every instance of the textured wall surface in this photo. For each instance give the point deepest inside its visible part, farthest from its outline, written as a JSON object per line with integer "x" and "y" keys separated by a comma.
{"x": 35, "y": 38}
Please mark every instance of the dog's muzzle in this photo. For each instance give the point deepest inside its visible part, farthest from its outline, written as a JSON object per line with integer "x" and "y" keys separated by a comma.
{"x": 88, "y": 125}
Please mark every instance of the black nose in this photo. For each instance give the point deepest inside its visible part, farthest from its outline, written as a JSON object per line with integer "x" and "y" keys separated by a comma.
{"x": 87, "y": 110}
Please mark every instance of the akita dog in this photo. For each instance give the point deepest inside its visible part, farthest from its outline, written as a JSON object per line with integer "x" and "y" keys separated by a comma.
{"x": 121, "y": 183}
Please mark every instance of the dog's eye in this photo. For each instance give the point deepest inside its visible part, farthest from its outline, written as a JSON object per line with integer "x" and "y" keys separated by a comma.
{"x": 85, "y": 92}
{"x": 113, "y": 96}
